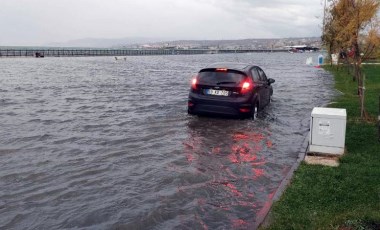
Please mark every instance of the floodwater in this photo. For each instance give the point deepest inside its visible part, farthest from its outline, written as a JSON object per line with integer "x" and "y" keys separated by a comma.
{"x": 94, "y": 143}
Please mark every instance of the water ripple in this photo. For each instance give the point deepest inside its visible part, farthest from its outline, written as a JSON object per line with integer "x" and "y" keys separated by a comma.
{"x": 90, "y": 143}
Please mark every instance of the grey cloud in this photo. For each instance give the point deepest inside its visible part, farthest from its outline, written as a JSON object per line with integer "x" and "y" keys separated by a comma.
{"x": 32, "y": 22}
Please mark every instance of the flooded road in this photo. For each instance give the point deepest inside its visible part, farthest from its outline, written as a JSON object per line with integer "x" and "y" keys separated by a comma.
{"x": 94, "y": 143}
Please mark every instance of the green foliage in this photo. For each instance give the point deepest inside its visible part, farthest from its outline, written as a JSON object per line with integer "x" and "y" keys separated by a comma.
{"x": 372, "y": 84}
{"x": 350, "y": 100}
{"x": 346, "y": 197}
{"x": 351, "y": 24}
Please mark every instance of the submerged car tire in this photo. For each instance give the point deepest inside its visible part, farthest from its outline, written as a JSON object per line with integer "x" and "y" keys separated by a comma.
{"x": 255, "y": 110}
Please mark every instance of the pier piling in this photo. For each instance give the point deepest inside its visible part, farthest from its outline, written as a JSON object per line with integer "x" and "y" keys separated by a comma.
{"x": 70, "y": 52}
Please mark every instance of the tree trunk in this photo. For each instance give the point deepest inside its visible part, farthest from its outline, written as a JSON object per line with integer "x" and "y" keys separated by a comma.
{"x": 357, "y": 61}
{"x": 362, "y": 93}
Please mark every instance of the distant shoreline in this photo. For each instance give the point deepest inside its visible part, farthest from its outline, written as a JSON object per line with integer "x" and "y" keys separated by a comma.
{"x": 88, "y": 52}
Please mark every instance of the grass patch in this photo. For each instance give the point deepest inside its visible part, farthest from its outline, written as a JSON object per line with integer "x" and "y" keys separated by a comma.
{"x": 346, "y": 197}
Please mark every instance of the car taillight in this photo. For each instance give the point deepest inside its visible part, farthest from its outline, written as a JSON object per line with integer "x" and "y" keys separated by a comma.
{"x": 246, "y": 86}
{"x": 194, "y": 83}
{"x": 245, "y": 110}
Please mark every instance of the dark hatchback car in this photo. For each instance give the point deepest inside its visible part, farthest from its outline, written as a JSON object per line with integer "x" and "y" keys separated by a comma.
{"x": 232, "y": 89}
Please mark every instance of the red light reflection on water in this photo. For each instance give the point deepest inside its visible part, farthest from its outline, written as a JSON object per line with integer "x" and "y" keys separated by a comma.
{"x": 233, "y": 189}
{"x": 200, "y": 221}
{"x": 233, "y": 167}
{"x": 240, "y": 136}
{"x": 257, "y": 173}
{"x": 215, "y": 150}
{"x": 271, "y": 195}
{"x": 246, "y": 148}
{"x": 239, "y": 223}
{"x": 269, "y": 144}
{"x": 189, "y": 157}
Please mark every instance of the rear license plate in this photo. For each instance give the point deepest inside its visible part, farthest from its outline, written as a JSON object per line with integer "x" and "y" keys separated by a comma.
{"x": 217, "y": 92}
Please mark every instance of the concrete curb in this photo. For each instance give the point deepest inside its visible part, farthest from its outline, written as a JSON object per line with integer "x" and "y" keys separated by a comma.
{"x": 263, "y": 218}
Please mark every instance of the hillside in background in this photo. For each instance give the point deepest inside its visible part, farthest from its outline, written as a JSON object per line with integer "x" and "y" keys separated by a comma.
{"x": 276, "y": 43}
{"x": 105, "y": 43}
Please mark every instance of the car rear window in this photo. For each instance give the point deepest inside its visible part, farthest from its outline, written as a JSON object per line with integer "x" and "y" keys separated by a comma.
{"x": 214, "y": 77}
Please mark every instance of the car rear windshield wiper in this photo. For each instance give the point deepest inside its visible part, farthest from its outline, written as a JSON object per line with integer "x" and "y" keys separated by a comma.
{"x": 225, "y": 82}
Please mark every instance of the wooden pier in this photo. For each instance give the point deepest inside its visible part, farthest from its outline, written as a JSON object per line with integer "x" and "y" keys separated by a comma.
{"x": 67, "y": 52}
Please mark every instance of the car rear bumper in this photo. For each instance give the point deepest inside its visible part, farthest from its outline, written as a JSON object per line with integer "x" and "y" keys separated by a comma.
{"x": 199, "y": 104}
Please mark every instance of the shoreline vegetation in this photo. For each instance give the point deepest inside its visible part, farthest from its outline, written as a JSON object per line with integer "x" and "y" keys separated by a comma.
{"x": 346, "y": 197}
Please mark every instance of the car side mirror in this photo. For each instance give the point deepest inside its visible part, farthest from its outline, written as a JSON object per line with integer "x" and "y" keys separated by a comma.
{"x": 271, "y": 81}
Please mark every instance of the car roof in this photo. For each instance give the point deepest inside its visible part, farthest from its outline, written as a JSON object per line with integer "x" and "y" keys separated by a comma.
{"x": 229, "y": 65}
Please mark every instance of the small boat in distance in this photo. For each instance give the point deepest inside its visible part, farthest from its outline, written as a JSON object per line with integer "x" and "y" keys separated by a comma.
{"x": 120, "y": 58}
{"x": 301, "y": 48}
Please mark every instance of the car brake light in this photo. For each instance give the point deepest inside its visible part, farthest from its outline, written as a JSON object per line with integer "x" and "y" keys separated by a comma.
{"x": 221, "y": 69}
{"x": 246, "y": 86}
{"x": 194, "y": 83}
{"x": 245, "y": 110}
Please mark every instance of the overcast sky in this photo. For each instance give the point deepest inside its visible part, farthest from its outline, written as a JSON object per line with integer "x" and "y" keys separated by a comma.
{"x": 39, "y": 22}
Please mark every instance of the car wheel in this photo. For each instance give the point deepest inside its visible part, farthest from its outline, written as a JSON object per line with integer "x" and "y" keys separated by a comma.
{"x": 255, "y": 110}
